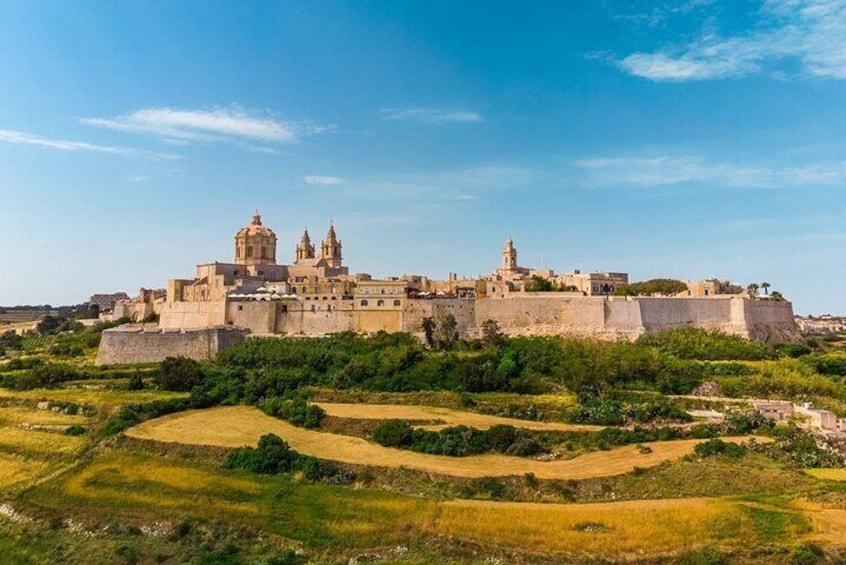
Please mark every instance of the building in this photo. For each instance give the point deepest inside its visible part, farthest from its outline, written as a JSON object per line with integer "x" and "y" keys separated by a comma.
{"x": 106, "y": 302}
{"x": 316, "y": 295}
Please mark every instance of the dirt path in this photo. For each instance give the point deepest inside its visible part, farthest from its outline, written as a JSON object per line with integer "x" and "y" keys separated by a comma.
{"x": 236, "y": 426}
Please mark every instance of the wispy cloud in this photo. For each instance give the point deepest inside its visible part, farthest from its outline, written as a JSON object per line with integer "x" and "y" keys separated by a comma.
{"x": 136, "y": 178}
{"x": 183, "y": 126}
{"x": 810, "y": 33}
{"x": 21, "y": 138}
{"x": 434, "y": 116}
{"x": 321, "y": 180}
{"x": 672, "y": 170}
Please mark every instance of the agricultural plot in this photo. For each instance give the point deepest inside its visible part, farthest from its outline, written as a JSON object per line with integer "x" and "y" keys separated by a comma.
{"x": 237, "y": 426}
{"x": 445, "y": 417}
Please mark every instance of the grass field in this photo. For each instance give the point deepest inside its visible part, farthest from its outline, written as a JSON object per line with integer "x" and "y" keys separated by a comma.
{"x": 141, "y": 488}
{"x": 444, "y": 416}
{"x": 828, "y": 474}
{"x": 237, "y": 426}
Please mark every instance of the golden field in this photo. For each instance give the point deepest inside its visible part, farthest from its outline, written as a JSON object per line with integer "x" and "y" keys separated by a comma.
{"x": 237, "y": 426}
{"x": 444, "y": 416}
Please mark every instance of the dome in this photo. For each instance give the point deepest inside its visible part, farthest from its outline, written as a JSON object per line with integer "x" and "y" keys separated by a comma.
{"x": 256, "y": 228}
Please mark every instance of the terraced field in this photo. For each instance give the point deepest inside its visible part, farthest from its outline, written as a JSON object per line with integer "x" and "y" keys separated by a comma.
{"x": 444, "y": 417}
{"x": 236, "y": 426}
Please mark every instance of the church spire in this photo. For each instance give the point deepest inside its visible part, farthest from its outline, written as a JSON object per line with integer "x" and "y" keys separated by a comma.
{"x": 330, "y": 250}
{"x": 305, "y": 249}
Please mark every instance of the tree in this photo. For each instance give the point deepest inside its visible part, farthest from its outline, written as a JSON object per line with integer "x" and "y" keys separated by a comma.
{"x": 777, "y": 296}
{"x": 491, "y": 334}
{"x": 539, "y": 284}
{"x": 445, "y": 334}
{"x": 179, "y": 374}
{"x": 753, "y": 289}
{"x": 429, "y": 331}
{"x": 661, "y": 287}
{"x": 765, "y": 286}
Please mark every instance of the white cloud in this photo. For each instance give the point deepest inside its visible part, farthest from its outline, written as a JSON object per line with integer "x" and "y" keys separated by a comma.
{"x": 811, "y": 33}
{"x": 182, "y": 126}
{"x": 671, "y": 170}
{"x": 136, "y": 178}
{"x": 18, "y": 137}
{"x": 435, "y": 116}
{"x": 320, "y": 180}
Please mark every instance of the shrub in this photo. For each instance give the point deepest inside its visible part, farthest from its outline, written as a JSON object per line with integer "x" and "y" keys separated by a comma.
{"x": 393, "y": 433}
{"x": 273, "y": 455}
{"x": 706, "y": 345}
{"x": 719, "y": 448}
{"x": 133, "y": 414}
{"x": 76, "y": 430}
{"x": 135, "y": 382}
{"x": 179, "y": 374}
{"x": 794, "y": 350}
{"x": 297, "y": 411}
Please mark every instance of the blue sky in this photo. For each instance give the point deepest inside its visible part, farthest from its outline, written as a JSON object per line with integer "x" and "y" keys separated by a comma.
{"x": 688, "y": 139}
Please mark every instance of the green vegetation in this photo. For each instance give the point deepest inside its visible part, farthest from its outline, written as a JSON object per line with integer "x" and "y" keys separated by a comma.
{"x": 459, "y": 441}
{"x": 653, "y": 287}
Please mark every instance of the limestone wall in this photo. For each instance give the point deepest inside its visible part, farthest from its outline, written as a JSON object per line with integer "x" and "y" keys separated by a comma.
{"x": 137, "y": 344}
{"x": 190, "y": 315}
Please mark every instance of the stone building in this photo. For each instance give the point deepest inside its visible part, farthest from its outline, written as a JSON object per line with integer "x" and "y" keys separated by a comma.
{"x": 316, "y": 295}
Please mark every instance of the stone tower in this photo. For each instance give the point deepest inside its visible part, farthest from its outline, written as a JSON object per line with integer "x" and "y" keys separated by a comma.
{"x": 255, "y": 244}
{"x": 305, "y": 249}
{"x": 509, "y": 256}
{"x": 330, "y": 249}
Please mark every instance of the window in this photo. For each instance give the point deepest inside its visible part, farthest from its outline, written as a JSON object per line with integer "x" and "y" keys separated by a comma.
{"x": 305, "y": 290}
{"x": 364, "y": 303}
{"x": 284, "y": 307}
{"x": 706, "y": 292}
{"x": 313, "y": 308}
{"x": 240, "y": 307}
{"x": 249, "y": 252}
{"x": 397, "y": 303}
{"x": 264, "y": 252}
{"x": 380, "y": 303}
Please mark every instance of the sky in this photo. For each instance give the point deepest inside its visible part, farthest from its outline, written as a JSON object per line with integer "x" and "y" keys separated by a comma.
{"x": 684, "y": 139}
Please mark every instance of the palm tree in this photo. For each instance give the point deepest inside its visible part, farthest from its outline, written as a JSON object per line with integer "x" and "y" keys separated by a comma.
{"x": 765, "y": 286}
{"x": 753, "y": 289}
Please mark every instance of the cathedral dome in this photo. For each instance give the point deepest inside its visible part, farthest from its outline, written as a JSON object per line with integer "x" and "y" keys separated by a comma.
{"x": 255, "y": 244}
{"x": 256, "y": 228}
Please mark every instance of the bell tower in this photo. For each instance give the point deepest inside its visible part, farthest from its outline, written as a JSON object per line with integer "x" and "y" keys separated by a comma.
{"x": 330, "y": 249}
{"x": 509, "y": 256}
{"x": 305, "y": 249}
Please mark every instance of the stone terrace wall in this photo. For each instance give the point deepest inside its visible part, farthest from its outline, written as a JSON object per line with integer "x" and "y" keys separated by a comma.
{"x": 134, "y": 344}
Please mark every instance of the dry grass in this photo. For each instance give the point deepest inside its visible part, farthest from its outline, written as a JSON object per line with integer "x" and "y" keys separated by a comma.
{"x": 41, "y": 443}
{"x": 16, "y": 469}
{"x": 828, "y": 474}
{"x": 17, "y": 415}
{"x": 614, "y": 529}
{"x": 448, "y": 416}
{"x": 237, "y": 426}
{"x": 105, "y": 398}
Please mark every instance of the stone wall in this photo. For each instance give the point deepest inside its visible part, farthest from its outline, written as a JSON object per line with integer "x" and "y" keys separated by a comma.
{"x": 138, "y": 344}
{"x": 520, "y": 314}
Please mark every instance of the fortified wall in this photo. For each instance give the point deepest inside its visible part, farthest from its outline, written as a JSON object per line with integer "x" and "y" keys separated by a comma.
{"x": 525, "y": 315}
{"x": 139, "y": 344}
{"x": 611, "y": 317}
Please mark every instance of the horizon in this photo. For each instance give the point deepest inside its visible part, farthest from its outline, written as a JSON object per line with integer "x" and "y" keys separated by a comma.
{"x": 693, "y": 140}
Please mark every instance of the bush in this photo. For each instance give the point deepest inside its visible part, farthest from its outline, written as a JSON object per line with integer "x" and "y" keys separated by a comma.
{"x": 719, "y": 448}
{"x": 179, "y": 374}
{"x": 273, "y": 455}
{"x": 135, "y": 382}
{"x": 76, "y": 430}
{"x": 706, "y": 345}
{"x": 794, "y": 350}
{"x": 133, "y": 414}
{"x": 393, "y": 433}
{"x": 296, "y": 411}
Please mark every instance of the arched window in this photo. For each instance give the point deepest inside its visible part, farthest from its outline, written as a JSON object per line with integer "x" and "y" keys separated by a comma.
{"x": 305, "y": 289}
{"x": 397, "y": 303}
{"x": 313, "y": 308}
{"x": 380, "y": 303}
{"x": 249, "y": 251}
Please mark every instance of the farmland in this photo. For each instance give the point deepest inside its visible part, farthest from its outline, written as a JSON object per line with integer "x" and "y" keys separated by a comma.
{"x": 104, "y": 465}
